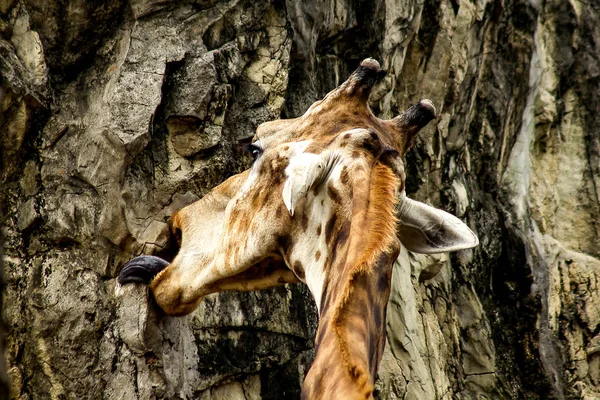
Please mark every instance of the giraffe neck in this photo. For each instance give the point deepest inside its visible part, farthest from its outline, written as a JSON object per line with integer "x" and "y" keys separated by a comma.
{"x": 355, "y": 289}
{"x": 351, "y": 334}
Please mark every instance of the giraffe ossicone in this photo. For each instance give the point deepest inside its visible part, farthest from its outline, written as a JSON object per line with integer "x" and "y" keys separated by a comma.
{"x": 324, "y": 204}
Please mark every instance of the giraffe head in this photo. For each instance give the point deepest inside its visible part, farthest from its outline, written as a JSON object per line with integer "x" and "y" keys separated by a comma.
{"x": 323, "y": 203}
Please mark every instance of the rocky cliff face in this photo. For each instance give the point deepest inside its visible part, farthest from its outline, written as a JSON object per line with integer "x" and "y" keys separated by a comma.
{"x": 117, "y": 113}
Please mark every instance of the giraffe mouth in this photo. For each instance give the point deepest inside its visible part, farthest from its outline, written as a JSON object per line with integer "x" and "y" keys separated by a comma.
{"x": 141, "y": 269}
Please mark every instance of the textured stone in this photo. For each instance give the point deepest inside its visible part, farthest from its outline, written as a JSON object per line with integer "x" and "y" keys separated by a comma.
{"x": 72, "y": 31}
{"x": 195, "y": 110}
{"x": 28, "y": 47}
{"x": 6, "y": 5}
{"x": 29, "y": 180}
{"x": 16, "y": 383}
{"x": 115, "y": 114}
{"x": 27, "y": 215}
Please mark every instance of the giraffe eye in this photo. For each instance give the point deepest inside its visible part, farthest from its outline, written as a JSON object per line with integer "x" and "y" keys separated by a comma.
{"x": 254, "y": 149}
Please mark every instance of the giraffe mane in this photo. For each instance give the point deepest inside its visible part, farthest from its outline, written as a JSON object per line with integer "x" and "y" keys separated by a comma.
{"x": 381, "y": 215}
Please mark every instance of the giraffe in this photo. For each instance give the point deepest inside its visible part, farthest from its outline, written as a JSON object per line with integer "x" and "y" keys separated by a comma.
{"x": 323, "y": 203}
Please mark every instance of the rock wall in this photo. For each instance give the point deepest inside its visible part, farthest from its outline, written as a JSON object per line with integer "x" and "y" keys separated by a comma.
{"x": 3, "y": 374}
{"x": 117, "y": 113}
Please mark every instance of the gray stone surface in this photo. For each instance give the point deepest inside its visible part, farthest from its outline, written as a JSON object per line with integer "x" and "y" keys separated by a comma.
{"x": 115, "y": 114}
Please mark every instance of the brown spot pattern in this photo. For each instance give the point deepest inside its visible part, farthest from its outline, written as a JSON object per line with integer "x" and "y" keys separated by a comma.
{"x": 298, "y": 269}
{"x": 343, "y": 234}
{"x": 279, "y": 212}
{"x": 329, "y": 228}
{"x": 345, "y": 176}
{"x": 304, "y": 222}
{"x": 333, "y": 193}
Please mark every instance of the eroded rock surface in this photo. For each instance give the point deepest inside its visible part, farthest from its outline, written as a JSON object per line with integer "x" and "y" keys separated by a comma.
{"x": 115, "y": 114}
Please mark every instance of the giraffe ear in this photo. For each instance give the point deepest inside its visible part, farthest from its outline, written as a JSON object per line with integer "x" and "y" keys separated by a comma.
{"x": 425, "y": 229}
{"x": 305, "y": 171}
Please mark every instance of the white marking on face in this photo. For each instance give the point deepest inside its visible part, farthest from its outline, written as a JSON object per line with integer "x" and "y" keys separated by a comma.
{"x": 309, "y": 243}
{"x": 294, "y": 149}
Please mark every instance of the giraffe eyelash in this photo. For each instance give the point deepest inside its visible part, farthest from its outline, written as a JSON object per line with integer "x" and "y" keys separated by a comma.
{"x": 254, "y": 149}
